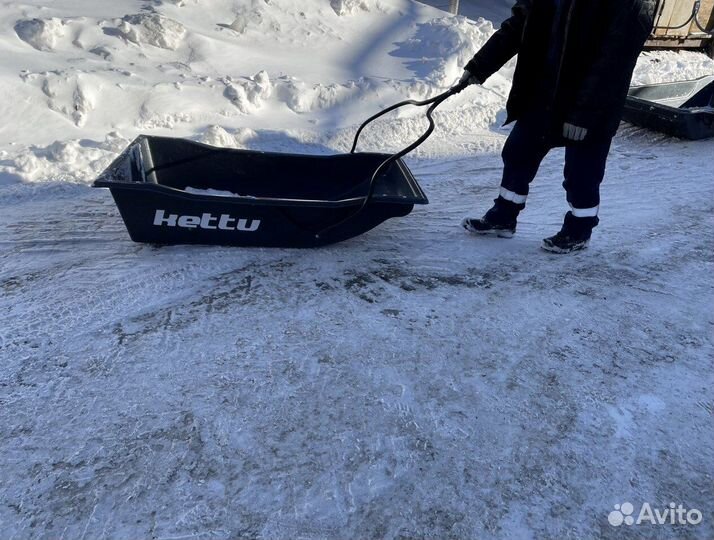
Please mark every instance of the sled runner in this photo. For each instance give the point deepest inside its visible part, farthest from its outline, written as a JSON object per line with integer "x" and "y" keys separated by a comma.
{"x": 681, "y": 109}
{"x": 175, "y": 191}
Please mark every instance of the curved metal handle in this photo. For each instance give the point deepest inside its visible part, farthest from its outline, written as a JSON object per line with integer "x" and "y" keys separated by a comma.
{"x": 434, "y": 103}
{"x": 435, "y": 100}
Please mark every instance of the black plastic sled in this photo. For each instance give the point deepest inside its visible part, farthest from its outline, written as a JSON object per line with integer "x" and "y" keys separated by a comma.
{"x": 681, "y": 109}
{"x": 175, "y": 191}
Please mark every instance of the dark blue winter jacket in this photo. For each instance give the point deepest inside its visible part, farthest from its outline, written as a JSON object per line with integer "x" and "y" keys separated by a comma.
{"x": 600, "y": 43}
{"x": 560, "y": 9}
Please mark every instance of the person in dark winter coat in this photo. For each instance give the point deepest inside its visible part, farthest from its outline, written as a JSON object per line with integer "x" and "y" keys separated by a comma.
{"x": 575, "y": 63}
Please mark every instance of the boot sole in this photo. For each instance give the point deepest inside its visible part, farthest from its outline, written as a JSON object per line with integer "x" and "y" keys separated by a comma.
{"x": 492, "y": 232}
{"x": 550, "y": 248}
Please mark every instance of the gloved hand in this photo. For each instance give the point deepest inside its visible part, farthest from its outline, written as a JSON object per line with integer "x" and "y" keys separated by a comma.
{"x": 468, "y": 79}
{"x": 574, "y": 133}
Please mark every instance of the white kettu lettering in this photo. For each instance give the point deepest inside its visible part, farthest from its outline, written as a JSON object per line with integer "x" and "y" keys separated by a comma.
{"x": 224, "y": 222}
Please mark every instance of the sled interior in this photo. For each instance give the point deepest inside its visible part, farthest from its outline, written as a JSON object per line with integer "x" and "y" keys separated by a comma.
{"x": 696, "y": 94}
{"x": 254, "y": 176}
{"x": 681, "y": 109}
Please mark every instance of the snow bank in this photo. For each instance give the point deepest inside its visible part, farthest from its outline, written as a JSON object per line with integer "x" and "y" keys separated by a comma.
{"x": 257, "y": 18}
{"x": 183, "y": 68}
{"x": 152, "y": 29}
{"x": 218, "y": 136}
{"x": 72, "y": 161}
{"x": 72, "y": 94}
{"x": 282, "y": 74}
{"x": 345, "y": 7}
{"x": 301, "y": 97}
{"x": 666, "y": 66}
{"x": 42, "y": 34}
{"x": 440, "y": 48}
{"x": 248, "y": 95}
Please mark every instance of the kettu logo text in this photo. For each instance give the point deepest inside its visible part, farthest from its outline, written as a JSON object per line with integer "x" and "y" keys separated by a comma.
{"x": 224, "y": 222}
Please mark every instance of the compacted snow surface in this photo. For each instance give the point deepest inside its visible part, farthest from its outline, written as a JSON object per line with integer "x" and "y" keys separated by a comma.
{"x": 413, "y": 382}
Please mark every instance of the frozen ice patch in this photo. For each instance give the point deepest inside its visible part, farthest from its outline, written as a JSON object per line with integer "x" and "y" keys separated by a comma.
{"x": 622, "y": 421}
{"x": 651, "y": 403}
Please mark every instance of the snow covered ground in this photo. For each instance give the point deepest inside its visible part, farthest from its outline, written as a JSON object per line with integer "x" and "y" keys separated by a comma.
{"x": 414, "y": 382}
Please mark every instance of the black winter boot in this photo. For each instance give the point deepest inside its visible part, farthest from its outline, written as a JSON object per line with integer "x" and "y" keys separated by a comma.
{"x": 573, "y": 236}
{"x": 500, "y": 220}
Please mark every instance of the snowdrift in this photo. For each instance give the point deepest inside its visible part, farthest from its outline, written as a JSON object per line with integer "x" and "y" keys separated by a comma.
{"x": 284, "y": 75}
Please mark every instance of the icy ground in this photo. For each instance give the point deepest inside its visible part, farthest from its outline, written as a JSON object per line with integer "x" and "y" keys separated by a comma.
{"x": 414, "y": 382}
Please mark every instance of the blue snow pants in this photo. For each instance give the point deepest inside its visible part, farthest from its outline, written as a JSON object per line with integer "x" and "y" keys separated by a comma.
{"x": 584, "y": 165}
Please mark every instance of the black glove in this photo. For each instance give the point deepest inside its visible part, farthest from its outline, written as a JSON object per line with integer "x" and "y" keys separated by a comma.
{"x": 468, "y": 78}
